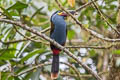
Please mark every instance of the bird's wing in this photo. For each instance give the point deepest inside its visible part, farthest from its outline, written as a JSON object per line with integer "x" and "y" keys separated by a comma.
{"x": 66, "y": 33}
{"x": 66, "y": 37}
{"x": 52, "y": 28}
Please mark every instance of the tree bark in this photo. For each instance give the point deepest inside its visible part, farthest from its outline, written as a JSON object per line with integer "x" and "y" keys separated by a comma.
{"x": 114, "y": 73}
{"x": 105, "y": 64}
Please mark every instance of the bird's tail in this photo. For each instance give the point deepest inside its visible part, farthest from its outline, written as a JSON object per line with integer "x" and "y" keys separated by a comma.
{"x": 55, "y": 67}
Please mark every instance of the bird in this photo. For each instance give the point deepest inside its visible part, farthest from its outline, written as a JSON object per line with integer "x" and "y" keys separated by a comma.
{"x": 58, "y": 32}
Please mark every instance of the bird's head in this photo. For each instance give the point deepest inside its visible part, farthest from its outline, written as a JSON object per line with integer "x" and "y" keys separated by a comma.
{"x": 61, "y": 14}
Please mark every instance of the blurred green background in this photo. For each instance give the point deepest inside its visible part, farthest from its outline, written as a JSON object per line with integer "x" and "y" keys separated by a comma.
{"x": 17, "y": 57}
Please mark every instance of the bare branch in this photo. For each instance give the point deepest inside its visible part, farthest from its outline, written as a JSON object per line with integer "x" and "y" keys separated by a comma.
{"x": 100, "y": 13}
{"x": 61, "y": 73}
{"x": 26, "y": 39}
{"x": 45, "y": 30}
{"x": 82, "y": 76}
{"x": 32, "y": 68}
{"x": 45, "y": 64}
{"x": 37, "y": 11}
{"x": 94, "y": 47}
{"x": 74, "y": 68}
{"x": 85, "y": 5}
{"x": 14, "y": 41}
{"x": 93, "y": 33}
{"x": 53, "y": 42}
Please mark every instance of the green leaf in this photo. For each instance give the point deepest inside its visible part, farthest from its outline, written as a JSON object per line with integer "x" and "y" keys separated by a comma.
{"x": 71, "y": 34}
{"x": 4, "y": 75}
{"x": 7, "y": 54}
{"x": 1, "y": 36}
{"x": 116, "y": 52}
{"x": 86, "y": 25}
{"x": 37, "y": 51}
{"x": 21, "y": 69}
{"x": 27, "y": 77}
{"x": 18, "y": 6}
{"x": 106, "y": 26}
{"x": 60, "y": 78}
{"x": 16, "y": 78}
{"x": 2, "y": 62}
{"x": 36, "y": 74}
{"x": 92, "y": 53}
{"x": 10, "y": 78}
{"x": 36, "y": 12}
{"x": 6, "y": 12}
{"x": 13, "y": 13}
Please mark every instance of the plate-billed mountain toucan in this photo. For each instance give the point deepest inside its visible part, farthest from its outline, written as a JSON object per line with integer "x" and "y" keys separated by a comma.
{"x": 58, "y": 33}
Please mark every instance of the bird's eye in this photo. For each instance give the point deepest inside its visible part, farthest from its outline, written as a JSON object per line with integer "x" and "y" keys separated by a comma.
{"x": 60, "y": 13}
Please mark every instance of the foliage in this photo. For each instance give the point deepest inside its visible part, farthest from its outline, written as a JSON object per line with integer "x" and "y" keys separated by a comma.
{"x": 17, "y": 57}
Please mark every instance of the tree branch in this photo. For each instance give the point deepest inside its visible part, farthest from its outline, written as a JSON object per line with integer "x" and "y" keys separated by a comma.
{"x": 94, "y": 47}
{"x": 45, "y": 64}
{"x": 93, "y": 33}
{"x": 85, "y": 5}
{"x": 53, "y": 42}
{"x": 61, "y": 73}
{"x": 28, "y": 38}
{"x": 82, "y": 76}
{"x": 25, "y": 39}
{"x": 81, "y": 46}
{"x": 100, "y": 13}
{"x": 74, "y": 68}
{"x": 37, "y": 11}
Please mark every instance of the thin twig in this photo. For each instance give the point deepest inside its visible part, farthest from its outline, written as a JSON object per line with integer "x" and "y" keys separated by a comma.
{"x": 82, "y": 46}
{"x": 85, "y": 5}
{"x": 45, "y": 64}
{"x": 82, "y": 76}
{"x": 14, "y": 41}
{"x": 100, "y": 13}
{"x": 45, "y": 30}
{"x": 36, "y": 13}
{"x": 86, "y": 67}
{"x": 61, "y": 73}
{"x": 32, "y": 68}
{"x": 93, "y": 33}
{"x": 54, "y": 43}
{"x": 94, "y": 47}
{"x": 28, "y": 38}
{"x": 74, "y": 68}
{"x": 25, "y": 39}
